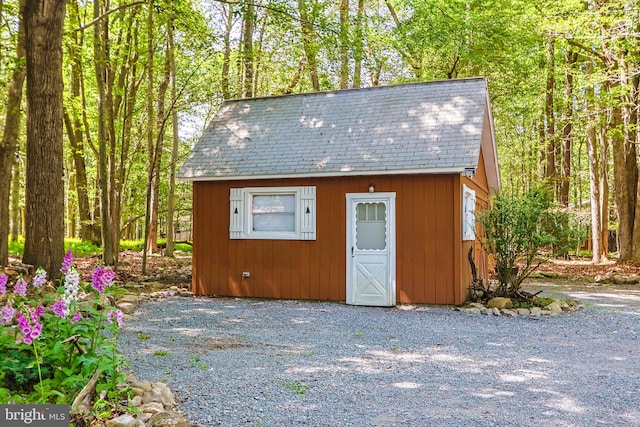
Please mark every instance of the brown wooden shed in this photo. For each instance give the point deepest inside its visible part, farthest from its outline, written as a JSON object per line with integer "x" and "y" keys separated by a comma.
{"x": 363, "y": 195}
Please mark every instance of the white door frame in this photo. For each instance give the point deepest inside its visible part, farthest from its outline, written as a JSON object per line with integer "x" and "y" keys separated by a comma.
{"x": 352, "y": 252}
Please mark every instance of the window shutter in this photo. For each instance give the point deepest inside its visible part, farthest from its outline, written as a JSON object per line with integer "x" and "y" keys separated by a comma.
{"x": 308, "y": 213}
{"x": 468, "y": 213}
{"x": 235, "y": 213}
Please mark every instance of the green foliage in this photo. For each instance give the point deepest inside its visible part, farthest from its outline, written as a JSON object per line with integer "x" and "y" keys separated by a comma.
{"x": 518, "y": 230}
{"x": 295, "y": 387}
{"x": 567, "y": 232}
{"x": 81, "y": 248}
{"x": 534, "y": 302}
{"x": 16, "y": 248}
{"x": 131, "y": 245}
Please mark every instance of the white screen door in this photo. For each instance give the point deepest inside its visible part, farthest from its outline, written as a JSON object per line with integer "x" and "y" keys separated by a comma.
{"x": 371, "y": 249}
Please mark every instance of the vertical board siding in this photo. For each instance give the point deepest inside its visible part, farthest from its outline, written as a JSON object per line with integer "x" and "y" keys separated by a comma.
{"x": 419, "y": 244}
{"x": 405, "y": 254}
{"x": 316, "y": 269}
{"x": 430, "y": 244}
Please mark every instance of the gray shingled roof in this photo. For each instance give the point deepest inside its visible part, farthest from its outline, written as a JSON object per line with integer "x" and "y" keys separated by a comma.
{"x": 407, "y": 128}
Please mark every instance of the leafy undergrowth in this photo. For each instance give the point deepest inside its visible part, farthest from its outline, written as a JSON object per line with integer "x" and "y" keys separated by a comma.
{"x": 534, "y": 302}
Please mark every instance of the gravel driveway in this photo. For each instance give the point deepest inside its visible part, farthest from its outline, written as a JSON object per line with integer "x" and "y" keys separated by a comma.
{"x": 240, "y": 362}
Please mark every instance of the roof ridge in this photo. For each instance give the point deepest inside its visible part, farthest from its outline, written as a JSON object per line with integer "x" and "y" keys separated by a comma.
{"x": 368, "y": 88}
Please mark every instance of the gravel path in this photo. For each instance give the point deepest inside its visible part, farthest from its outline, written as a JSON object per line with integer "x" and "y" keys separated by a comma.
{"x": 235, "y": 362}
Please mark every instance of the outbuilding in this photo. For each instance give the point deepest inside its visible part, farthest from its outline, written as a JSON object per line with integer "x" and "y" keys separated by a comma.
{"x": 361, "y": 195}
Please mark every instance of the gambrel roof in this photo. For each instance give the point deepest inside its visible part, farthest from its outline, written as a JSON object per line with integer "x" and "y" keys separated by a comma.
{"x": 432, "y": 127}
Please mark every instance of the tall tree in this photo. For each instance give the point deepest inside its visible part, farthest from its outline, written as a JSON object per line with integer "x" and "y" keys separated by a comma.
{"x": 307, "y": 16}
{"x": 9, "y": 143}
{"x": 550, "y": 138}
{"x": 76, "y": 130}
{"x": 248, "y": 26}
{"x": 226, "y": 59}
{"x": 567, "y": 130}
{"x": 358, "y": 51}
{"x": 44, "y": 240}
{"x": 594, "y": 169}
{"x": 171, "y": 67}
{"x": 344, "y": 44}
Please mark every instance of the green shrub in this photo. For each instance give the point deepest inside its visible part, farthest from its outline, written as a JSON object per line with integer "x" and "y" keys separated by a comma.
{"x": 521, "y": 231}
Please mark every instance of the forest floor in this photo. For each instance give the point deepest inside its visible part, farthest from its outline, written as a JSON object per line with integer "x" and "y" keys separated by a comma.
{"x": 578, "y": 267}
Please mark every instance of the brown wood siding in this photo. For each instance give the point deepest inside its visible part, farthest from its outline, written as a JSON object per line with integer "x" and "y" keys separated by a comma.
{"x": 480, "y": 185}
{"x": 428, "y": 242}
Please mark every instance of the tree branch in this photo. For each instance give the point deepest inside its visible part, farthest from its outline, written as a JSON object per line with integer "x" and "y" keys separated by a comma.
{"x": 587, "y": 49}
{"x": 107, "y": 13}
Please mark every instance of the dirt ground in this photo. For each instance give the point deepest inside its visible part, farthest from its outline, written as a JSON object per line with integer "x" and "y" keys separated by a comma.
{"x": 165, "y": 270}
{"x": 584, "y": 267}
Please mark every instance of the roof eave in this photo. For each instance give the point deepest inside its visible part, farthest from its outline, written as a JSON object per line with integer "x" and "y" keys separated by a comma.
{"x": 441, "y": 170}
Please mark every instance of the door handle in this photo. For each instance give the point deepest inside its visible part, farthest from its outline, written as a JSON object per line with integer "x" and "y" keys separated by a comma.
{"x": 352, "y": 251}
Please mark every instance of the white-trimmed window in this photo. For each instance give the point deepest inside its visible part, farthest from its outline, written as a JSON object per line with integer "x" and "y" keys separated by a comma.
{"x": 468, "y": 213}
{"x": 278, "y": 213}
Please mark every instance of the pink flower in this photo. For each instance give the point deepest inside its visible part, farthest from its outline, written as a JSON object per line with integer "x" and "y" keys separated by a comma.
{"x": 117, "y": 314}
{"x": 40, "y": 278}
{"x": 101, "y": 278}
{"x": 67, "y": 261}
{"x": 20, "y": 287}
{"x": 7, "y": 314}
{"x": 35, "y": 331}
{"x": 29, "y": 325}
{"x": 3, "y": 284}
{"x": 60, "y": 308}
{"x": 76, "y": 317}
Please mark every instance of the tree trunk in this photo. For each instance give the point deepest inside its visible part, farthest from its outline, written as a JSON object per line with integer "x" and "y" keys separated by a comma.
{"x": 226, "y": 59}
{"x": 248, "y": 26}
{"x": 257, "y": 55}
{"x": 358, "y": 52}
{"x": 100, "y": 55}
{"x": 604, "y": 193}
{"x": 571, "y": 58}
{"x": 622, "y": 185}
{"x": 17, "y": 226}
{"x": 171, "y": 65}
{"x": 344, "y": 44}
{"x": 550, "y": 172}
{"x": 633, "y": 143}
{"x": 9, "y": 143}
{"x": 594, "y": 179}
{"x": 156, "y": 161}
{"x": 75, "y": 131}
{"x": 150, "y": 150}
{"x": 308, "y": 41}
{"x": 44, "y": 240}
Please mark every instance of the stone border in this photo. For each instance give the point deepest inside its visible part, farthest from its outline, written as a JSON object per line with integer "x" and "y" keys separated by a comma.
{"x": 504, "y": 307}
{"x": 154, "y": 402}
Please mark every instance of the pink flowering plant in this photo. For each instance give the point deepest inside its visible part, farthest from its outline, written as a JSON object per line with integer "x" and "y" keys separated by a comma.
{"x": 54, "y": 342}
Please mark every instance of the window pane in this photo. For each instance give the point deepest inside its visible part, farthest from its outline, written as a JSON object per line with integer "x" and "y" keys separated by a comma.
{"x": 371, "y": 226}
{"x": 274, "y": 212}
